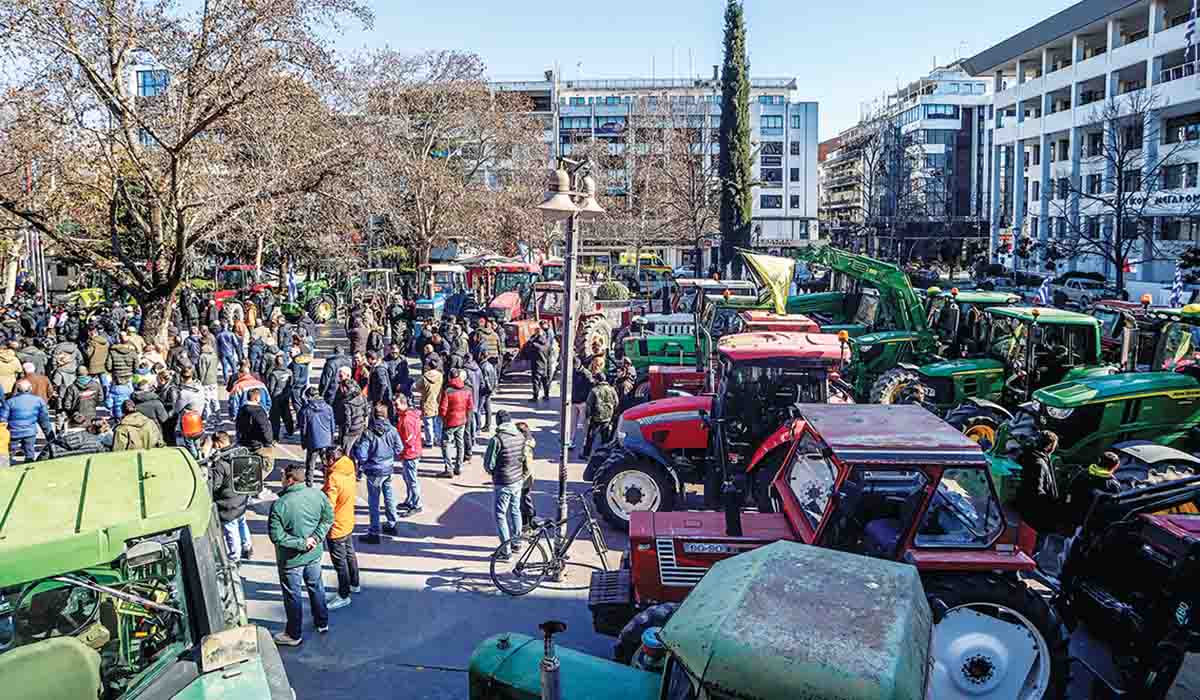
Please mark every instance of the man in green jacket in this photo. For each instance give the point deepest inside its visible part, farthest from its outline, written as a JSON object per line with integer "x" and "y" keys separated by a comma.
{"x": 298, "y": 524}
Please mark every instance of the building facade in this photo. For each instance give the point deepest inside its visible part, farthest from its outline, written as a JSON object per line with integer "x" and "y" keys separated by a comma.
{"x": 783, "y": 127}
{"x": 1070, "y": 92}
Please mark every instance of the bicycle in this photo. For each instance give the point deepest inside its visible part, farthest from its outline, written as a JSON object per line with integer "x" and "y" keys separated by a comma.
{"x": 540, "y": 554}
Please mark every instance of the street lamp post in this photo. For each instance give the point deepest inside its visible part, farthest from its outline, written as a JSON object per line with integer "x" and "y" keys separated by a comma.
{"x": 561, "y": 205}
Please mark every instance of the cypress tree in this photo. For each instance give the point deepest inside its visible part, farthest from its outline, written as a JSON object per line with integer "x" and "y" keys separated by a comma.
{"x": 735, "y": 163}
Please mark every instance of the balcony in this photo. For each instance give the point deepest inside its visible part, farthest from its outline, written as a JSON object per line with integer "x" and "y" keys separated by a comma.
{"x": 771, "y": 131}
{"x": 1175, "y": 73}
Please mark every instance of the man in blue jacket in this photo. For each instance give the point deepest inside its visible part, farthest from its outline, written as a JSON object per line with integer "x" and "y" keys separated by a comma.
{"x": 316, "y": 429}
{"x": 375, "y": 453}
{"x": 229, "y": 349}
{"x": 26, "y": 413}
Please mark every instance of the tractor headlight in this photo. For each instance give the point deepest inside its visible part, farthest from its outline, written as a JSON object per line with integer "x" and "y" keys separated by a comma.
{"x": 1059, "y": 413}
{"x": 864, "y": 348}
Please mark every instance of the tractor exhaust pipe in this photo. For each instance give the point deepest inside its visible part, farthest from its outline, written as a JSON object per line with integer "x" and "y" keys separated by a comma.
{"x": 1128, "y": 349}
{"x": 732, "y": 502}
{"x": 551, "y": 688}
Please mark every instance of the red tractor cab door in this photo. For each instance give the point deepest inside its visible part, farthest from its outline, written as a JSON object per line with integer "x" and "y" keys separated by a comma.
{"x": 807, "y": 484}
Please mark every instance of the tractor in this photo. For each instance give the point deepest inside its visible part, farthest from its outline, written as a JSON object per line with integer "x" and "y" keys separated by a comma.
{"x": 317, "y": 297}
{"x": 441, "y": 290}
{"x": 233, "y": 282}
{"x": 505, "y": 286}
{"x": 891, "y": 482}
{"x": 1114, "y": 316}
{"x": 784, "y": 621}
{"x": 662, "y": 446}
{"x": 553, "y": 270}
{"x": 115, "y": 583}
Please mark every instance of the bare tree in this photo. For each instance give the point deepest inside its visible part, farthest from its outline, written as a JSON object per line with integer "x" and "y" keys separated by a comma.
{"x": 129, "y": 126}
{"x": 888, "y": 180}
{"x": 1109, "y": 213}
{"x": 438, "y": 144}
{"x": 691, "y": 184}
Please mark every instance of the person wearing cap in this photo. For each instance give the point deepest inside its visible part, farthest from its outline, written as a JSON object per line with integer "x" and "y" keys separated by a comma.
{"x": 504, "y": 460}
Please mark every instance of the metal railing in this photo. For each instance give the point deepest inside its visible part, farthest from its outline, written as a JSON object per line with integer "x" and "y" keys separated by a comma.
{"x": 1176, "y": 72}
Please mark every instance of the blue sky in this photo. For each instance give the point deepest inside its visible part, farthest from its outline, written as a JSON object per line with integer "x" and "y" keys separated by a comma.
{"x": 842, "y": 52}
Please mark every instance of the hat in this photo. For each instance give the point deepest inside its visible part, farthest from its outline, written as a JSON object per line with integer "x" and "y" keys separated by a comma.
{"x": 502, "y": 416}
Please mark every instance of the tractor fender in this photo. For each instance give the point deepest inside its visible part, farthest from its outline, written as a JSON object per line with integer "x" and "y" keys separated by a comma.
{"x": 637, "y": 448}
{"x": 909, "y": 366}
{"x": 990, "y": 405}
{"x": 786, "y": 433}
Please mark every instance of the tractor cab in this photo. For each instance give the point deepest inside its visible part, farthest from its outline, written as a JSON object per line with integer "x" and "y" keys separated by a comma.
{"x": 690, "y": 292}
{"x": 509, "y": 285}
{"x": 553, "y": 270}
{"x": 955, "y": 315}
{"x": 546, "y": 303}
{"x": 1178, "y": 347}
{"x": 441, "y": 289}
{"x": 233, "y": 281}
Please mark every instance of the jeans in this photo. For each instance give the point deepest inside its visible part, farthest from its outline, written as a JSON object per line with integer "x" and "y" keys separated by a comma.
{"x": 543, "y": 383}
{"x": 292, "y": 581}
{"x": 28, "y": 447}
{"x": 485, "y": 412}
{"x": 345, "y": 563}
{"x": 432, "y": 426}
{"x": 508, "y": 511}
{"x": 528, "y": 511}
{"x": 472, "y": 427}
{"x": 408, "y": 470}
{"x": 452, "y": 448}
{"x": 312, "y": 460}
{"x": 375, "y": 485}
{"x": 578, "y": 419}
{"x": 228, "y": 367}
{"x": 237, "y": 538}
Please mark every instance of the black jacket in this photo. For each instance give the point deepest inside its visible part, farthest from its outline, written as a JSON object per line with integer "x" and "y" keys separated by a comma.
{"x": 230, "y": 504}
{"x": 351, "y": 410}
{"x": 253, "y": 427}
{"x": 328, "y": 384}
{"x": 539, "y": 351}
{"x": 581, "y": 385}
{"x": 508, "y": 452}
{"x": 1037, "y": 495}
{"x": 379, "y": 385}
{"x": 279, "y": 384}
{"x": 150, "y": 406}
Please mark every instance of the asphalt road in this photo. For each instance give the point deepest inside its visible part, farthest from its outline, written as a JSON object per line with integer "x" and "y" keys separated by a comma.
{"x": 428, "y": 599}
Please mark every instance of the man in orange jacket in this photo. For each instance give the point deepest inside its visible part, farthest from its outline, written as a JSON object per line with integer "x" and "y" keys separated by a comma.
{"x": 342, "y": 489}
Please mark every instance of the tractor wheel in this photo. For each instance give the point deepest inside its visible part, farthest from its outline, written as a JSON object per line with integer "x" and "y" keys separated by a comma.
{"x": 592, "y": 329}
{"x": 322, "y": 308}
{"x": 631, "y": 483}
{"x": 630, "y": 639}
{"x": 986, "y": 624}
{"x": 766, "y": 498}
{"x": 641, "y": 392}
{"x": 979, "y": 424}
{"x": 899, "y": 386}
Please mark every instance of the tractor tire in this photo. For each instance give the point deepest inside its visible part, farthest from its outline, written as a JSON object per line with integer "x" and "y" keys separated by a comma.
{"x": 899, "y": 386}
{"x": 961, "y": 604}
{"x": 631, "y": 483}
{"x": 641, "y": 393}
{"x": 593, "y": 328}
{"x": 979, "y": 424}
{"x": 630, "y": 639}
{"x": 766, "y": 498}
{"x": 322, "y": 309}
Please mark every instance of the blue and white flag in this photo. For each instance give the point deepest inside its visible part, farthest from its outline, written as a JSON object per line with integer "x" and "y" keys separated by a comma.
{"x": 1189, "y": 53}
{"x": 1177, "y": 287}
{"x": 291, "y": 283}
{"x": 1044, "y": 295}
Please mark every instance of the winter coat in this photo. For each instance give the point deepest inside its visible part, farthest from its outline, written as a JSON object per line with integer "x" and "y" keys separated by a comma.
{"x": 10, "y": 369}
{"x": 329, "y": 383}
{"x": 342, "y": 490}
{"x": 408, "y": 424}
{"x": 1037, "y": 494}
{"x": 456, "y": 404}
{"x": 351, "y": 411}
{"x": 192, "y": 346}
{"x": 377, "y": 449}
{"x": 490, "y": 342}
{"x": 26, "y": 413}
{"x": 229, "y": 345}
{"x": 177, "y": 358}
{"x": 279, "y": 385}
{"x": 231, "y": 505}
{"x": 122, "y": 359}
{"x": 239, "y": 393}
{"x": 41, "y": 386}
{"x": 66, "y": 356}
{"x": 208, "y": 369}
{"x": 96, "y": 354}
{"x": 150, "y": 405}
{"x": 357, "y": 335}
{"x": 474, "y": 379}
{"x": 379, "y": 385}
{"x": 137, "y": 432}
{"x": 505, "y": 455}
{"x": 299, "y": 513}
{"x": 601, "y": 404}
{"x": 489, "y": 379}
{"x": 540, "y": 352}
{"x": 253, "y": 427}
{"x": 300, "y": 367}
{"x": 35, "y": 355}
{"x": 429, "y": 386}
{"x": 115, "y": 400}
{"x": 316, "y": 424}
{"x": 191, "y": 398}
{"x": 82, "y": 396}
{"x": 581, "y": 385}
{"x": 397, "y": 368}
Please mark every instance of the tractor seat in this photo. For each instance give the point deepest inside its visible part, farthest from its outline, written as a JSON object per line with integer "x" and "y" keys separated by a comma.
{"x": 881, "y": 537}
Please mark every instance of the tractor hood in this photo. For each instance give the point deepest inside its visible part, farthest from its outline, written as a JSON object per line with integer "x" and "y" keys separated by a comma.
{"x": 773, "y": 275}
{"x": 1116, "y": 387}
{"x": 505, "y": 305}
{"x": 883, "y": 338}
{"x": 681, "y": 407}
{"x": 507, "y": 666}
{"x": 950, "y": 368}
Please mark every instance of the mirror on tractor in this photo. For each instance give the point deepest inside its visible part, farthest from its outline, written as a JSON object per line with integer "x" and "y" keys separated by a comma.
{"x": 144, "y": 553}
{"x": 247, "y": 473}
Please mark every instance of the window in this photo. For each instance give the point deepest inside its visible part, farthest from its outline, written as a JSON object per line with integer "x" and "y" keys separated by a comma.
{"x": 811, "y": 477}
{"x": 576, "y": 101}
{"x": 1035, "y": 192}
{"x": 716, "y": 121}
{"x": 964, "y": 511}
{"x": 1035, "y": 157}
{"x": 772, "y": 177}
{"x": 1095, "y": 143}
{"x": 794, "y": 175}
{"x": 770, "y": 99}
{"x": 1189, "y": 175}
{"x": 1132, "y": 136}
{"x": 796, "y": 121}
{"x": 144, "y": 137}
{"x": 794, "y": 148}
{"x": 773, "y": 161}
{"x": 1094, "y": 183}
{"x": 152, "y": 82}
{"x": 771, "y": 123}
{"x": 1063, "y": 186}
{"x": 1132, "y": 181}
{"x": 591, "y": 100}
{"x": 770, "y": 201}
{"x": 1185, "y": 128}
{"x": 1180, "y": 230}
{"x": 794, "y": 201}
{"x": 941, "y": 111}
{"x": 1064, "y": 150}
{"x": 575, "y": 123}
{"x": 1172, "y": 177}
{"x": 612, "y": 100}
{"x": 1033, "y": 225}
{"x": 774, "y": 148}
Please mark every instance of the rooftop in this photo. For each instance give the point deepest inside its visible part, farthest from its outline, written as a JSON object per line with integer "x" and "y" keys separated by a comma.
{"x": 1045, "y": 315}
{"x": 891, "y": 433}
{"x": 770, "y": 345}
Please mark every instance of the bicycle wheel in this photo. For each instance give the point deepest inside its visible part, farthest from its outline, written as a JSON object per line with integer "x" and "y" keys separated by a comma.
{"x": 600, "y": 545}
{"x": 525, "y": 569}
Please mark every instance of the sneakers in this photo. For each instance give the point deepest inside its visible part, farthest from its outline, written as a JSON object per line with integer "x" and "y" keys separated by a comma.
{"x": 389, "y": 528}
{"x": 370, "y": 539}
{"x": 336, "y": 602}
{"x": 248, "y": 553}
{"x": 324, "y": 629}
{"x": 411, "y": 512}
{"x": 356, "y": 589}
{"x": 505, "y": 556}
{"x": 283, "y": 639}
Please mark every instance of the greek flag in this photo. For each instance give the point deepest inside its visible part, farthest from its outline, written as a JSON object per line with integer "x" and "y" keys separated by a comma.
{"x": 1177, "y": 288}
{"x": 1044, "y": 296}
{"x": 1189, "y": 53}
{"x": 291, "y": 283}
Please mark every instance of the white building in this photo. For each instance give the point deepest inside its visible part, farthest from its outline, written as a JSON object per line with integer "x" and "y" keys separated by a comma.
{"x": 783, "y": 131}
{"x": 1050, "y": 82}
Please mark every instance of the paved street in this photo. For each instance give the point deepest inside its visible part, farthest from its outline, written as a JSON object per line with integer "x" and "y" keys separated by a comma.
{"x": 428, "y": 598}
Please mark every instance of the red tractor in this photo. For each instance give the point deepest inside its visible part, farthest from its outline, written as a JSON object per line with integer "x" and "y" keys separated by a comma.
{"x": 505, "y": 284}
{"x": 662, "y": 446}
{"x": 894, "y": 482}
{"x": 236, "y": 281}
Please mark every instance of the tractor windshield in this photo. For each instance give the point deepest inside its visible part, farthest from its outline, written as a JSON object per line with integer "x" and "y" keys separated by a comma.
{"x": 1110, "y": 321}
{"x": 1059, "y": 348}
{"x": 233, "y": 279}
{"x": 720, "y": 320}
{"x": 964, "y": 512}
{"x": 552, "y": 273}
{"x": 811, "y": 476}
{"x": 374, "y": 279}
{"x": 1178, "y": 346}
{"x": 511, "y": 281}
{"x": 545, "y": 302}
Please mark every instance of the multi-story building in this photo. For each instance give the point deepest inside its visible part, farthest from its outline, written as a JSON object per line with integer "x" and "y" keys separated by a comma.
{"x": 913, "y": 168}
{"x": 1055, "y": 86}
{"x": 783, "y": 128}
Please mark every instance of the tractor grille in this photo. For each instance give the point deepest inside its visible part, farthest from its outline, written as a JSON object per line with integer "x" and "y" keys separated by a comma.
{"x": 672, "y": 574}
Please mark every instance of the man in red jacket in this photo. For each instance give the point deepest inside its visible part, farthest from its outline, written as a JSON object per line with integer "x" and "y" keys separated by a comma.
{"x": 456, "y": 406}
{"x": 408, "y": 424}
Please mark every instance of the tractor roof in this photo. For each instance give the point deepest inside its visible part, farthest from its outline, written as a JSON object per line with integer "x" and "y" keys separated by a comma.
{"x": 67, "y": 514}
{"x": 708, "y": 284}
{"x": 890, "y": 434}
{"x": 245, "y": 268}
{"x": 1045, "y": 314}
{"x": 1188, "y": 314}
{"x": 444, "y": 267}
{"x": 551, "y": 286}
{"x": 866, "y": 631}
{"x": 769, "y": 320}
{"x": 747, "y": 347}
{"x": 553, "y": 262}
{"x": 974, "y": 296}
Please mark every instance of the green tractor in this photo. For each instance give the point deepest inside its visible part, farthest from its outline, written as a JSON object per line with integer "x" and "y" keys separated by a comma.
{"x": 1093, "y": 413}
{"x": 783, "y": 621}
{"x": 115, "y": 584}
{"x": 316, "y": 296}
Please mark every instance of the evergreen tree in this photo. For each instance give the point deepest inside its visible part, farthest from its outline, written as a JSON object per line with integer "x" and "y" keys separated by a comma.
{"x": 735, "y": 163}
